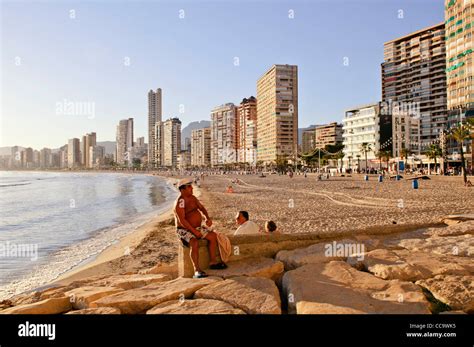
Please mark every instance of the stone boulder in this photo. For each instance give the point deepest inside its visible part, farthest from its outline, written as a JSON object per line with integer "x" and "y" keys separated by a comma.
{"x": 253, "y": 295}
{"x": 344, "y": 288}
{"x": 196, "y": 306}
{"x": 131, "y": 281}
{"x": 140, "y": 300}
{"x": 320, "y": 253}
{"x": 455, "y": 291}
{"x": 82, "y": 297}
{"x": 100, "y": 310}
{"x": 48, "y": 306}
{"x": 254, "y": 267}
{"x": 410, "y": 265}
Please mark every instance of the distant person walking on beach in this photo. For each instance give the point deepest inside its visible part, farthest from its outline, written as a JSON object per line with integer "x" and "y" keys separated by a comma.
{"x": 188, "y": 219}
{"x": 245, "y": 225}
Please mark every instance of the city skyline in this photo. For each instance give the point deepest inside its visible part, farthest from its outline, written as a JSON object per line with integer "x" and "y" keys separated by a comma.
{"x": 326, "y": 84}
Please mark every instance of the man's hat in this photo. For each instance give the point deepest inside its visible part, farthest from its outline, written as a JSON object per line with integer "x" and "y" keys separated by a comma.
{"x": 184, "y": 182}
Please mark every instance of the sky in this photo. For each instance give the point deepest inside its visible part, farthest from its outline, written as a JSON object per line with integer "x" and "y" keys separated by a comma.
{"x": 70, "y": 68}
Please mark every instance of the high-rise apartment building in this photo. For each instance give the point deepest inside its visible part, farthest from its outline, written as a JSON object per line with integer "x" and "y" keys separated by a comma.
{"x": 171, "y": 131}
{"x": 329, "y": 134}
{"x": 247, "y": 131}
{"x": 459, "y": 17}
{"x": 414, "y": 86}
{"x": 73, "y": 153}
{"x": 224, "y": 135}
{"x": 88, "y": 140}
{"x": 155, "y": 113}
{"x": 361, "y": 125}
{"x": 46, "y": 159}
{"x": 201, "y": 147}
{"x": 124, "y": 141}
{"x": 277, "y": 113}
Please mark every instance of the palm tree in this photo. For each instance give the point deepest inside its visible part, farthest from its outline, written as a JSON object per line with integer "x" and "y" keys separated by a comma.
{"x": 365, "y": 148}
{"x": 358, "y": 163}
{"x": 405, "y": 152}
{"x": 434, "y": 151}
{"x": 387, "y": 154}
{"x": 380, "y": 155}
{"x": 461, "y": 133}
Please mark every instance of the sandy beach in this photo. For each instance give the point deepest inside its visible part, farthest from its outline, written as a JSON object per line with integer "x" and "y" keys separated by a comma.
{"x": 296, "y": 204}
{"x": 302, "y": 204}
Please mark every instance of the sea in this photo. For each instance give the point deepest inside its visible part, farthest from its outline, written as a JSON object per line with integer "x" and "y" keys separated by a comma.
{"x": 52, "y": 222}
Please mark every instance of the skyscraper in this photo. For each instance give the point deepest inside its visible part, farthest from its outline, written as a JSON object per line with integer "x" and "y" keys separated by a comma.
{"x": 277, "y": 113}
{"x": 171, "y": 142}
{"x": 201, "y": 147}
{"x": 73, "y": 153}
{"x": 459, "y": 70}
{"x": 124, "y": 141}
{"x": 155, "y": 113}
{"x": 414, "y": 86}
{"x": 88, "y": 140}
{"x": 224, "y": 134}
{"x": 247, "y": 131}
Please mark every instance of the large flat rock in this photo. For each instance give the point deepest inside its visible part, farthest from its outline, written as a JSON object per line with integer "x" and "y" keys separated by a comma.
{"x": 130, "y": 281}
{"x": 196, "y": 306}
{"x": 82, "y": 297}
{"x": 307, "y": 307}
{"x": 47, "y": 306}
{"x": 253, "y": 295}
{"x": 455, "y": 291}
{"x": 338, "y": 284}
{"x": 319, "y": 253}
{"x": 254, "y": 267}
{"x": 454, "y": 229}
{"x": 142, "y": 299}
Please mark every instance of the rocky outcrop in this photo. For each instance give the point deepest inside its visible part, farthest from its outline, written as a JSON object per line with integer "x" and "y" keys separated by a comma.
{"x": 455, "y": 291}
{"x": 254, "y": 267}
{"x": 48, "y": 306}
{"x": 196, "y": 306}
{"x": 142, "y": 299}
{"x": 338, "y": 284}
{"x": 253, "y": 295}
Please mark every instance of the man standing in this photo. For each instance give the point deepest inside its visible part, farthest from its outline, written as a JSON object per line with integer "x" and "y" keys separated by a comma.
{"x": 188, "y": 219}
{"x": 245, "y": 225}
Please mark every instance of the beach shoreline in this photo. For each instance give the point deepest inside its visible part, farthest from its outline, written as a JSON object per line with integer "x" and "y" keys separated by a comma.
{"x": 123, "y": 246}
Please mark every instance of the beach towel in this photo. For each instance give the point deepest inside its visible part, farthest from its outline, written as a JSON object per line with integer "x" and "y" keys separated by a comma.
{"x": 225, "y": 248}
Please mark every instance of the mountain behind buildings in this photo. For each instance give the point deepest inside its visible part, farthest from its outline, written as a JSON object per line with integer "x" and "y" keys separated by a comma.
{"x": 187, "y": 130}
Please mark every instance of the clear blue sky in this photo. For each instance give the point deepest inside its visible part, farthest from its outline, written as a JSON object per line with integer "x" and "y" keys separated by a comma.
{"x": 191, "y": 59}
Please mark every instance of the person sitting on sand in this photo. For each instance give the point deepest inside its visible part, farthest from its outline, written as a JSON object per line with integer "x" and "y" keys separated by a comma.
{"x": 271, "y": 228}
{"x": 245, "y": 225}
{"x": 188, "y": 219}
